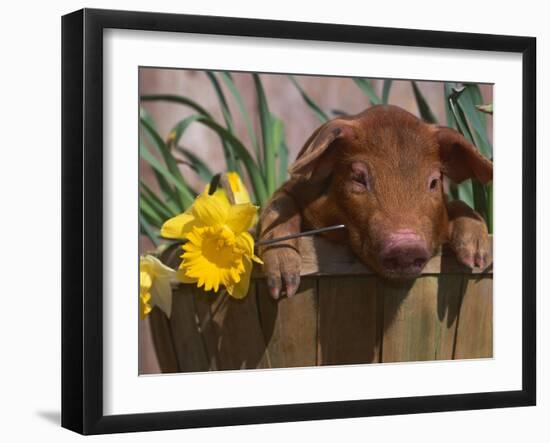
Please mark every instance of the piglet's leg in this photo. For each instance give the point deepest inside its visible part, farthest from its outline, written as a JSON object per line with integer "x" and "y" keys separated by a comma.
{"x": 468, "y": 235}
{"x": 282, "y": 260}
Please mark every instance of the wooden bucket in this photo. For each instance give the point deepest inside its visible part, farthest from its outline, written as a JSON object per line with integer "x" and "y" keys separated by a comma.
{"x": 342, "y": 314}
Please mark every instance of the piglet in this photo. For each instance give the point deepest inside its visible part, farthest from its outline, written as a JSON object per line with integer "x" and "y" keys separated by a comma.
{"x": 380, "y": 173}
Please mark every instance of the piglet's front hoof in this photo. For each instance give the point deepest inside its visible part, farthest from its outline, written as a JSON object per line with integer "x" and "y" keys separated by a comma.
{"x": 471, "y": 244}
{"x": 282, "y": 266}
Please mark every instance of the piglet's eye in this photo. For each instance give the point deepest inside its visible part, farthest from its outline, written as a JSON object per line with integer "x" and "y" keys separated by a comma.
{"x": 434, "y": 181}
{"x": 359, "y": 177}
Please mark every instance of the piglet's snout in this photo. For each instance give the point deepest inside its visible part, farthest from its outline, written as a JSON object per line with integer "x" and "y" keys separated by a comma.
{"x": 404, "y": 252}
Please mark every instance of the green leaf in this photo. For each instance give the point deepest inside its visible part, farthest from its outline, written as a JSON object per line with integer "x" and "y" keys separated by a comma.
{"x": 147, "y": 230}
{"x": 458, "y": 115}
{"x": 467, "y": 101}
{"x": 177, "y": 131}
{"x": 319, "y": 113}
{"x": 266, "y": 124}
{"x": 367, "y": 88}
{"x": 199, "y": 166}
{"x": 453, "y": 191}
{"x": 386, "y": 91}
{"x": 448, "y": 90}
{"x": 480, "y": 199}
{"x": 423, "y": 107}
{"x": 466, "y": 193}
{"x": 474, "y": 92}
{"x": 223, "y": 102}
{"x": 194, "y": 105}
{"x": 240, "y": 150}
{"x": 147, "y": 210}
{"x": 146, "y": 115}
{"x": 185, "y": 192}
{"x": 231, "y": 160}
{"x": 161, "y": 208}
{"x": 277, "y": 132}
{"x": 252, "y": 169}
{"x": 283, "y": 163}
{"x": 186, "y": 197}
{"x": 168, "y": 191}
{"x": 176, "y": 99}
{"x": 226, "y": 77}
{"x": 181, "y": 127}
{"x": 478, "y": 196}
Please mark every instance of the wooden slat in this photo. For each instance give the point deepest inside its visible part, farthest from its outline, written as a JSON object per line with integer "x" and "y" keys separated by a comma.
{"x": 148, "y": 361}
{"x": 474, "y": 337}
{"x": 206, "y": 305}
{"x": 162, "y": 338}
{"x": 349, "y": 319}
{"x": 450, "y": 291}
{"x": 290, "y": 326}
{"x": 188, "y": 343}
{"x": 420, "y": 321}
{"x": 231, "y": 331}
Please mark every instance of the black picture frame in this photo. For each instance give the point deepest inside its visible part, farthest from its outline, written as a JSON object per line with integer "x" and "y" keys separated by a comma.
{"x": 82, "y": 219}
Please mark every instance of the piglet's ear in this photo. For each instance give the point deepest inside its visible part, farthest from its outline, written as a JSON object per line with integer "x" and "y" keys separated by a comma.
{"x": 313, "y": 161}
{"x": 460, "y": 159}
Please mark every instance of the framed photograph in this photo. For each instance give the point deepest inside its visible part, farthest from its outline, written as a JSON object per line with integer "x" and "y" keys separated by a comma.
{"x": 270, "y": 221}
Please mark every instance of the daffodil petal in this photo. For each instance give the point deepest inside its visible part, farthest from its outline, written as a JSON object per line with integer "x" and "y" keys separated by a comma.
{"x": 236, "y": 277}
{"x": 246, "y": 243}
{"x": 225, "y": 280}
{"x": 161, "y": 295}
{"x": 146, "y": 297}
{"x": 237, "y": 187}
{"x": 210, "y": 210}
{"x": 200, "y": 282}
{"x": 216, "y": 282}
{"x": 218, "y": 193}
{"x": 208, "y": 284}
{"x": 221, "y": 195}
{"x": 229, "y": 288}
{"x": 193, "y": 272}
{"x": 145, "y": 265}
{"x": 145, "y": 307}
{"x": 241, "y": 288}
{"x": 180, "y": 275}
{"x": 145, "y": 281}
{"x": 160, "y": 269}
{"x": 178, "y": 226}
{"x": 242, "y": 217}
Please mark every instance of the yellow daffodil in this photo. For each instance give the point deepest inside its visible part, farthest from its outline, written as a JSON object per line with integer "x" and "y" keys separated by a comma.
{"x": 219, "y": 250}
{"x": 154, "y": 285}
{"x": 239, "y": 190}
{"x": 176, "y": 227}
{"x": 145, "y": 283}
